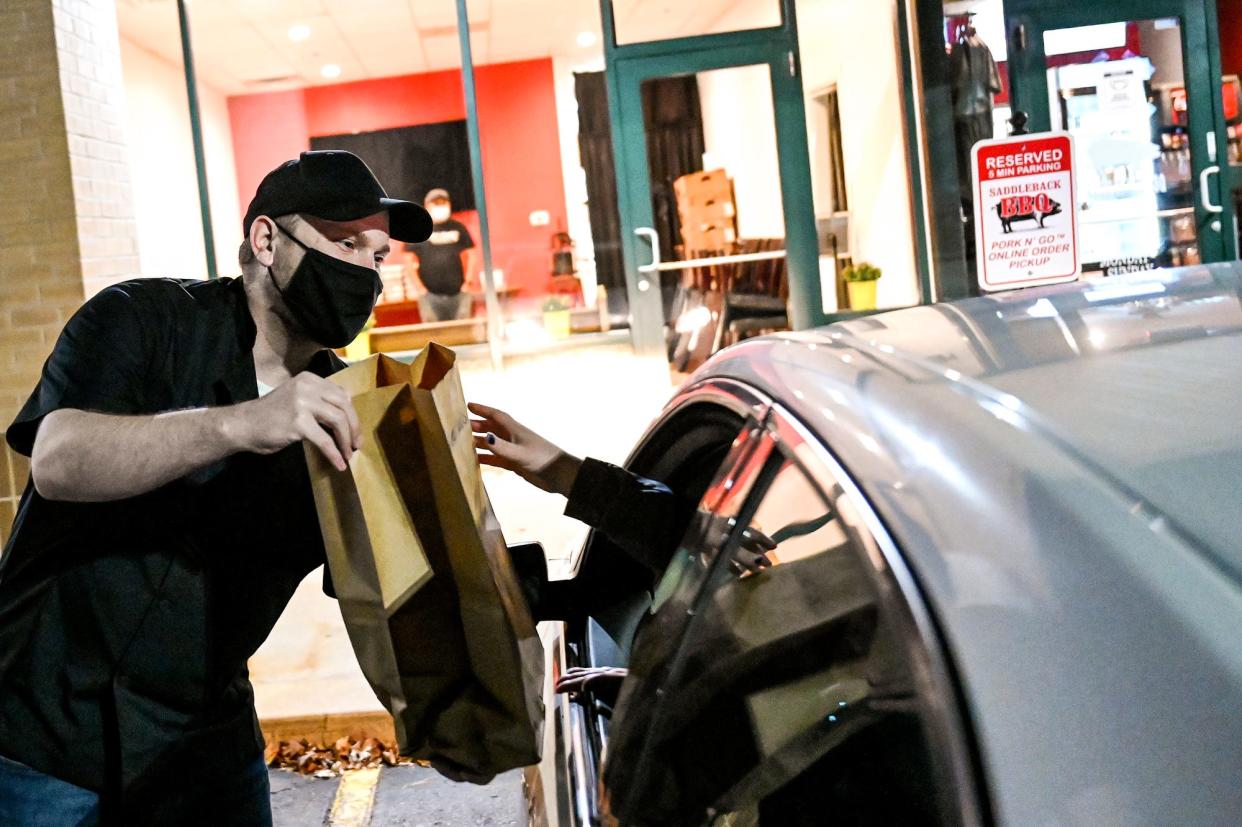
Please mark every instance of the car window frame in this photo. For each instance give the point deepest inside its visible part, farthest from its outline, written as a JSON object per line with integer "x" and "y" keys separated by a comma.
{"x": 955, "y": 762}
{"x": 954, "y": 766}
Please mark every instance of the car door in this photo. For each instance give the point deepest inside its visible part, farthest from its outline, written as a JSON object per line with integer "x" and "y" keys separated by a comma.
{"x": 780, "y": 694}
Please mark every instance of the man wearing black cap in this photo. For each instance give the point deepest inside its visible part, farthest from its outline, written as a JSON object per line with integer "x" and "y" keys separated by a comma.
{"x": 169, "y": 516}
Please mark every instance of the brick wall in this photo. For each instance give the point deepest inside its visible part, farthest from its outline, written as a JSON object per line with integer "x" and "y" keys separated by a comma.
{"x": 66, "y": 206}
{"x": 93, "y": 96}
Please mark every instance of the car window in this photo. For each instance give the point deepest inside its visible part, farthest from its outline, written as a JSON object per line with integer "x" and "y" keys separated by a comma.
{"x": 787, "y": 681}
{"x": 717, "y": 513}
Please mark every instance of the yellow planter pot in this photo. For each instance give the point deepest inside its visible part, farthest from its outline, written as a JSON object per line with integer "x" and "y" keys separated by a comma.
{"x": 862, "y": 294}
{"x": 359, "y": 348}
{"x": 556, "y": 322}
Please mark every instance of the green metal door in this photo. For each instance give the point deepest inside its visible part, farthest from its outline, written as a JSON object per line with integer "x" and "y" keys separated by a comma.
{"x": 628, "y": 68}
{"x": 1066, "y": 59}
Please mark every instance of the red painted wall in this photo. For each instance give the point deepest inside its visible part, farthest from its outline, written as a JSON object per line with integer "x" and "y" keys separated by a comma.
{"x": 517, "y": 126}
{"x": 267, "y": 130}
{"x": 1230, "y": 15}
{"x": 387, "y": 103}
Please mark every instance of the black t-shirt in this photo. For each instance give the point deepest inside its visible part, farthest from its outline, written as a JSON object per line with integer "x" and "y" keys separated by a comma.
{"x": 125, "y": 626}
{"x": 439, "y": 257}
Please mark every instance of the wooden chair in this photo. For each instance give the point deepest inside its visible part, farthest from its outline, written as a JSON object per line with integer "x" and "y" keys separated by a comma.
{"x": 756, "y": 295}
{"x": 742, "y": 299}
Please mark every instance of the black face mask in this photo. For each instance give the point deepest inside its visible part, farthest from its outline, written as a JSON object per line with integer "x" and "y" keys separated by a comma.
{"x": 330, "y": 299}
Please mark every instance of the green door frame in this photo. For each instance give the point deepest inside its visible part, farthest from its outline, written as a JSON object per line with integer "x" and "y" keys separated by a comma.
{"x": 924, "y": 220}
{"x": 1026, "y": 20}
{"x": 928, "y": 70}
{"x": 627, "y": 67}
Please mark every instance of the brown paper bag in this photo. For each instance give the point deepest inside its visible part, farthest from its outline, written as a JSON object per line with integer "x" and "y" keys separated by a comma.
{"x": 422, "y": 573}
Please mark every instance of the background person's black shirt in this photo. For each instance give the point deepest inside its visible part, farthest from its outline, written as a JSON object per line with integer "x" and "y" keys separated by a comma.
{"x": 439, "y": 257}
{"x": 125, "y": 626}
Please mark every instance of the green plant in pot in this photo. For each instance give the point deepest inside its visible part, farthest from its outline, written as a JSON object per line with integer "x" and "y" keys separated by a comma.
{"x": 556, "y": 317}
{"x": 860, "y": 283}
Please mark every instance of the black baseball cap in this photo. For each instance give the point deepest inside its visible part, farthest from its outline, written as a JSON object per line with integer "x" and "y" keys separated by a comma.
{"x": 338, "y": 186}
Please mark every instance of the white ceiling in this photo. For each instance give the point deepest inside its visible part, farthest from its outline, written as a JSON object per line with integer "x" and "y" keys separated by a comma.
{"x": 243, "y": 46}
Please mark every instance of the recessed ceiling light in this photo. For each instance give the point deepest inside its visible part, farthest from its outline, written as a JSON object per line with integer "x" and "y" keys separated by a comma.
{"x": 587, "y": 39}
{"x": 330, "y": 70}
{"x": 299, "y": 32}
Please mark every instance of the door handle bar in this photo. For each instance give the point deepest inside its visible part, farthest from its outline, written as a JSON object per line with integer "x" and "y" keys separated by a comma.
{"x": 653, "y": 238}
{"x": 1205, "y": 196}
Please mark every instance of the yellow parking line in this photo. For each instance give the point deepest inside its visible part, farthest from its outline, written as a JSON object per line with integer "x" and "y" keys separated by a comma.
{"x": 355, "y": 797}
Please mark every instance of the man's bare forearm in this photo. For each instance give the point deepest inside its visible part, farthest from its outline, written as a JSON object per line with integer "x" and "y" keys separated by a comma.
{"x": 91, "y": 457}
{"x": 81, "y": 456}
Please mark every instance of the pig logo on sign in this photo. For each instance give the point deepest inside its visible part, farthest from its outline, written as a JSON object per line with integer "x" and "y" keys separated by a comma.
{"x": 1026, "y": 208}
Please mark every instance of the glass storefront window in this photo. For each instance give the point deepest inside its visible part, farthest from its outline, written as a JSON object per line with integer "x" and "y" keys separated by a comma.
{"x": 551, "y": 184}
{"x": 388, "y": 87}
{"x": 276, "y": 85}
{"x": 280, "y": 80}
{"x": 860, "y": 169}
{"x": 1124, "y": 88}
{"x": 1125, "y": 103}
{"x": 714, "y": 175}
{"x": 160, "y": 157}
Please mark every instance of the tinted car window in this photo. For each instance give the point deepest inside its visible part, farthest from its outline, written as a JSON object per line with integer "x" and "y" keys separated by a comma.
{"x": 788, "y": 691}
{"x": 714, "y": 519}
{"x": 661, "y": 633}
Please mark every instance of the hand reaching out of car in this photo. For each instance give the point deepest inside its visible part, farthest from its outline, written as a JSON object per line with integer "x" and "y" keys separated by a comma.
{"x": 503, "y": 442}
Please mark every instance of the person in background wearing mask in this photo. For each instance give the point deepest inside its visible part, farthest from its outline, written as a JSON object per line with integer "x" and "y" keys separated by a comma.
{"x": 169, "y": 517}
{"x": 444, "y": 263}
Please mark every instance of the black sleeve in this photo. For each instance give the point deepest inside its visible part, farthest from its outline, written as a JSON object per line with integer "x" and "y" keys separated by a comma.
{"x": 98, "y": 364}
{"x": 643, "y": 517}
{"x": 464, "y": 241}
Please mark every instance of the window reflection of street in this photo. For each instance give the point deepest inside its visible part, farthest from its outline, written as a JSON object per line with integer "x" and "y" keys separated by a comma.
{"x": 784, "y": 664}
{"x": 712, "y": 525}
{"x": 786, "y": 525}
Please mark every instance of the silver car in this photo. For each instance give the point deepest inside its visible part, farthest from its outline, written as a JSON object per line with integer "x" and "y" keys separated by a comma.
{"x": 1006, "y": 582}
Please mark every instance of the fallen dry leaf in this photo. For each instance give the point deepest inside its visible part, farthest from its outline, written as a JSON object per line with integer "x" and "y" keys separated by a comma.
{"x": 270, "y": 751}
{"x": 322, "y": 761}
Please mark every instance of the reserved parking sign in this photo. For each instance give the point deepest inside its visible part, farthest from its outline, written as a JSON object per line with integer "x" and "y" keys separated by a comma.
{"x": 1026, "y": 212}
